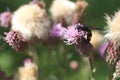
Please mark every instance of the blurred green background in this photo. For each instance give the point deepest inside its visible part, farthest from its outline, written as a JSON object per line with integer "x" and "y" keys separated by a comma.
{"x": 58, "y": 67}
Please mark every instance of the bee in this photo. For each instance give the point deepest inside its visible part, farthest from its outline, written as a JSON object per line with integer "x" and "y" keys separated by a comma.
{"x": 86, "y": 28}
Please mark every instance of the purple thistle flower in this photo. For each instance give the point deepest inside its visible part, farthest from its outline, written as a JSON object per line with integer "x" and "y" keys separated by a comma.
{"x": 15, "y": 40}
{"x": 57, "y": 31}
{"x": 27, "y": 61}
{"x": 103, "y": 48}
{"x": 112, "y": 53}
{"x": 5, "y": 18}
{"x": 71, "y": 35}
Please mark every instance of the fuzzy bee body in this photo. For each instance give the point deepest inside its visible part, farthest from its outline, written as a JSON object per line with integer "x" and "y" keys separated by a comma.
{"x": 86, "y": 28}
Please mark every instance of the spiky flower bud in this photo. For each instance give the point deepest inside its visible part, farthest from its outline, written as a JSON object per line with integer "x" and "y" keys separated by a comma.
{"x": 102, "y": 49}
{"x": 57, "y": 30}
{"x": 80, "y": 11}
{"x": 81, "y": 5}
{"x": 31, "y": 21}
{"x": 113, "y": 37}
{"x": 15, "y": 40}
{"x": 112, "y": 51}
{"x": 5, "y": 19}
{"x": 28, "y": 71}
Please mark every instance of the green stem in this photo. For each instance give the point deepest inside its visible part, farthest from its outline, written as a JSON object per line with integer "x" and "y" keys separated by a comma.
{"x": 49, "y": 57}
{"x": 33, "y": 53}
{"x": 110, "y": 73}
{"x": 92, "y": 68}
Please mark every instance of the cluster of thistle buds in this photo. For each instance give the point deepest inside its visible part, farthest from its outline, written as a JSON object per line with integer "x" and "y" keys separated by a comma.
{"x": 30, "y": 23}
{"x": 5, "y": 18}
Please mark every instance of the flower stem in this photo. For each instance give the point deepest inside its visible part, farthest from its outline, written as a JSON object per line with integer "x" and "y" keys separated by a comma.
{"x": 49, "y": 56}
{"x": 33, "y": 53}
{"x": 92, "y": 68}
{"x": 110, "y": 73}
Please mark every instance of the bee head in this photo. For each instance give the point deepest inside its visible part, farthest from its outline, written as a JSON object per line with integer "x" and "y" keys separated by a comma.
{"x": 79, "y": 27}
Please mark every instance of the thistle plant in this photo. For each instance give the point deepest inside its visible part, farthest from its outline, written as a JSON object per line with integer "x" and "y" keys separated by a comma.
{"x": 30, "y": 26}
{"x": 5, "y": 18}
{"x": 72, "y": 35}
{"x": 111, "y": 48}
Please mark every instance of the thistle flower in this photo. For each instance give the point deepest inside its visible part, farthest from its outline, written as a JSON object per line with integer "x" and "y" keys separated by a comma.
{"x": 102, "y": 49}
{"x": 31, "y": 21}
{"x": 5, "y": 18}
{"x": 71, "y": 35}
{"x": 55, "y": 34}
{"x": 57, "y": 30}
{"x": 112, "y": 51}
{"x": 15, "y": 40}
{"x": 81, "y": 5}
{"x": 74, "y": 36}
{"x": 80, "y": 11}
{"x": 28, "y": 71}
{"x": 62, "y": 9}
{"x": 113, "y": 37}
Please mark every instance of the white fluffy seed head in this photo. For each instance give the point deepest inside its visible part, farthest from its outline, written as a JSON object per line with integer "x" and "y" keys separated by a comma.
{"x": 28, "y": 72}
{"x": 113, "y": 29}
{"x": 62, "y": 8}
{"x": 31, "y": 21}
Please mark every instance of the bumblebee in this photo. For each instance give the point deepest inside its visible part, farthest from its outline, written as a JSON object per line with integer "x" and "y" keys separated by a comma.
{"x": 86, "y": 28}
